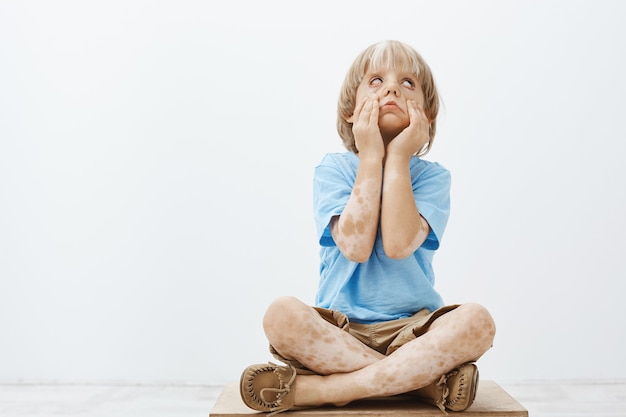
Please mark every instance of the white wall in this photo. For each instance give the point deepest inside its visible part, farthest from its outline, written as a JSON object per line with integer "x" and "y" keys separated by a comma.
{"x": 156, "y": 162}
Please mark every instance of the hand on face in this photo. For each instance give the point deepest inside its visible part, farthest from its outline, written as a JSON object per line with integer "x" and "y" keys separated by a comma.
{"x": 400, "y": 126}
{"x": 367, "y": 137}
{"x": 413, "y": 138}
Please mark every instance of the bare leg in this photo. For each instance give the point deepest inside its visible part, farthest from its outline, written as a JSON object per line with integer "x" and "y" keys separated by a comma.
{"x": 297, "y": 331}
{"x": 459, "y": 336}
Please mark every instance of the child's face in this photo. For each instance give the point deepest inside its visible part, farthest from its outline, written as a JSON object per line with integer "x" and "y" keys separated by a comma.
{"x": 392, "y": 88}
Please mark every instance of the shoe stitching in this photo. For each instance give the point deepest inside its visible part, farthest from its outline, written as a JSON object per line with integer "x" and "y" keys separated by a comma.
{"x": 281, "y": 392}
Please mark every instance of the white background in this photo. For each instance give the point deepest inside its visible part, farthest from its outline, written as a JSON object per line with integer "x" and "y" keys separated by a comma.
{"x": 156, "y": 161}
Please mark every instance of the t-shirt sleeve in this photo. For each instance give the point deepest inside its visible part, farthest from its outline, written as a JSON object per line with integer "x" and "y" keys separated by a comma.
{"x": 331, "y": 191}
{"x": 334, "y": 179}
{"x": 431, "y": 189}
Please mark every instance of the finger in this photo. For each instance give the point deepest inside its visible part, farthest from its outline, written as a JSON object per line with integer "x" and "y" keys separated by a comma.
{"x": 417, "y": 113}
{"x": 412, "y": 113}
{"x": 357, "y": 111}
{"x": 375, "y": 110}
{"x": 364, "y": 112}
{"x": 422, "y": 112}
{"x": 369, "y": 111}
{"x": 366, "y": 107}
{"x": 410, "y": 105}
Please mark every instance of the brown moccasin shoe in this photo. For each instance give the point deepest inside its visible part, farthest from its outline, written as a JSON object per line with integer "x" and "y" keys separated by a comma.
{"x": 455, "y": 390}
{"x": 268, "y": 387}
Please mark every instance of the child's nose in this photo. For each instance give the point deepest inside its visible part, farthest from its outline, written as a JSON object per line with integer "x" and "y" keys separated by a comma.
{"x": 392, "y": 88}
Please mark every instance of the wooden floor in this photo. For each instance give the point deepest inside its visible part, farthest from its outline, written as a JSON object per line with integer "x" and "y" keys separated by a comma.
{"x": 491, "y": 401}
{"x": 542, "y": 399}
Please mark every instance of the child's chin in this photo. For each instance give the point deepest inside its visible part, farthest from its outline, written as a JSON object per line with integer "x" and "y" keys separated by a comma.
{"x": 390, "y": 132}
{"x": 392, "y": 124}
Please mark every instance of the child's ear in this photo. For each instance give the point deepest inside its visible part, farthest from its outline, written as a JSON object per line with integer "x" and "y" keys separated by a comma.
{"x": 349, "y": 119}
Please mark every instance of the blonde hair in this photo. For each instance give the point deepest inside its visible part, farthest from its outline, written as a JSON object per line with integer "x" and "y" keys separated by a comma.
{"x": 386, "y": 54}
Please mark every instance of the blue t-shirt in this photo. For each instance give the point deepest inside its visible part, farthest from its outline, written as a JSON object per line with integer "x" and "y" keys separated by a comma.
{"x": 381, "y": 288}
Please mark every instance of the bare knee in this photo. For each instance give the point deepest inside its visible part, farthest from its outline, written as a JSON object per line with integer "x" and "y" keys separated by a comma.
{"x": 481, "y": 328}
{"x": 280, "y": 317}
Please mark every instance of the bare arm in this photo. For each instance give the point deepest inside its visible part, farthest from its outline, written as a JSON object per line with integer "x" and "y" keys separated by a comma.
{"x": 354, "y": 231}
{"x": 403, "y": 228}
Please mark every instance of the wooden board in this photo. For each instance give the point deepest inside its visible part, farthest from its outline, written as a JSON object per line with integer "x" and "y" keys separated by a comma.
{"x": 491, "y": 400}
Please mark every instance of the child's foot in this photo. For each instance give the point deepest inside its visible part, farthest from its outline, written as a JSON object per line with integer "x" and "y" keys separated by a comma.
{"x": 455, "y": 390}
{"x": 268, "y": 387}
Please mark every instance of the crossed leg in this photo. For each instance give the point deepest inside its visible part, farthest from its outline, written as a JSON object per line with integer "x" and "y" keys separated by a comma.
{"x": 349, "y": 370}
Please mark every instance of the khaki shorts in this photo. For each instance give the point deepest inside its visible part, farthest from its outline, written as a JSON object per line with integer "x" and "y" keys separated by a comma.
{"x": 384, "y": 337}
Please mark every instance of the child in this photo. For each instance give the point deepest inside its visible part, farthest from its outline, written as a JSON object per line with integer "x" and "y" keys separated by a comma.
{"x": 378, "y": 328}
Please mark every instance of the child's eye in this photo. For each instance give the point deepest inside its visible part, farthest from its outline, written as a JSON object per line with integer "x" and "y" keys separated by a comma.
{"x": 408, "y": 83}
{"x": 376, "y": 81}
